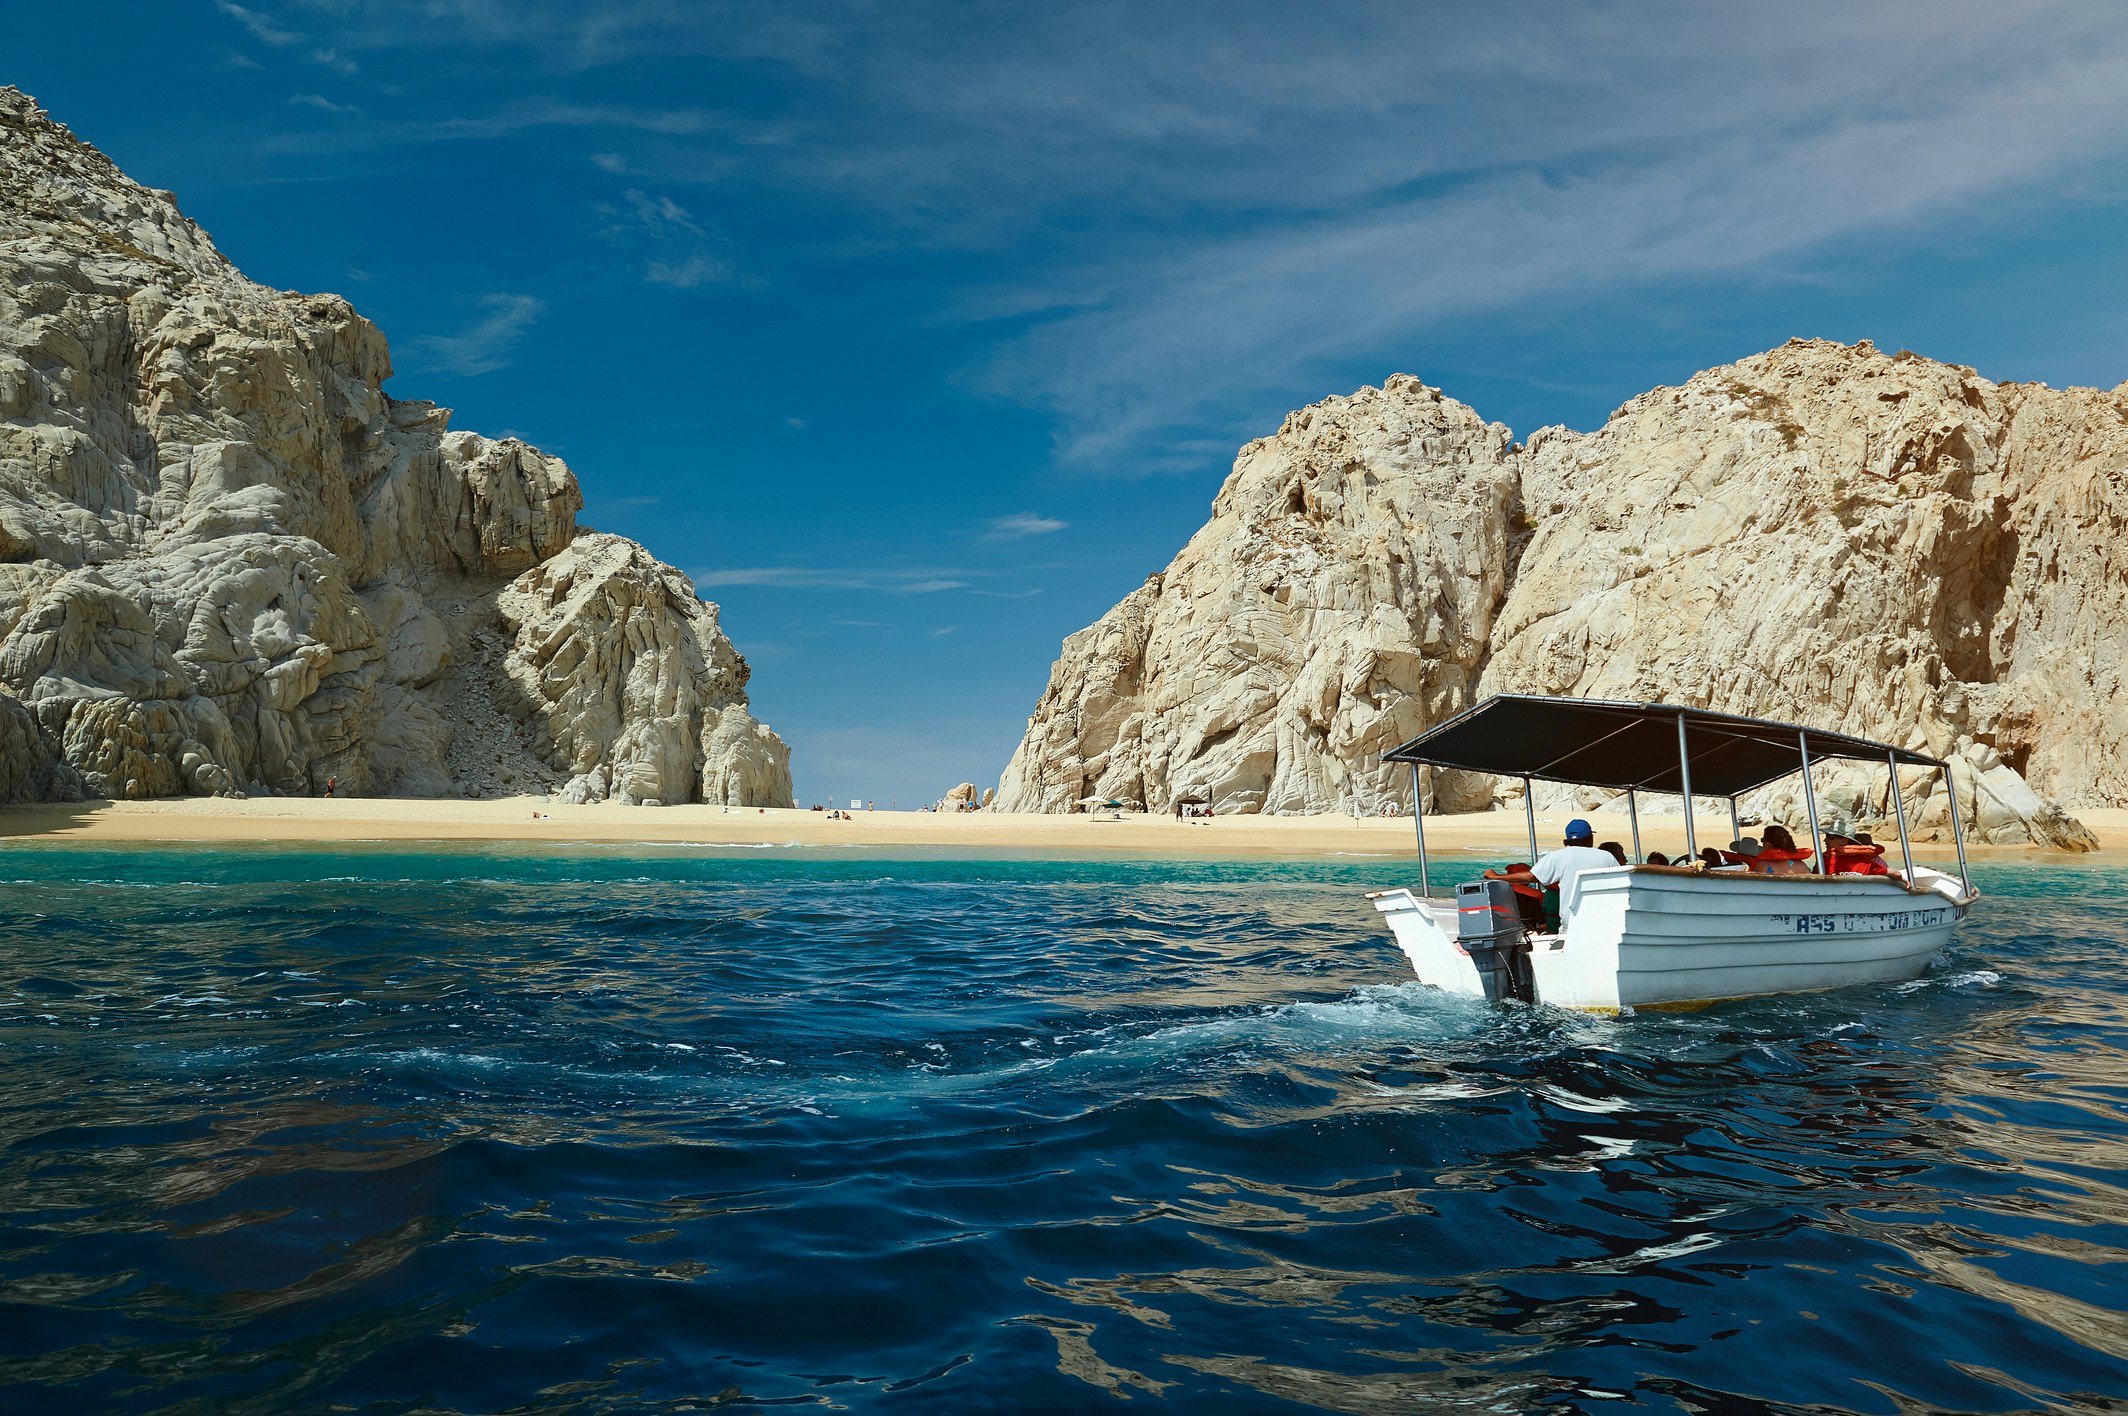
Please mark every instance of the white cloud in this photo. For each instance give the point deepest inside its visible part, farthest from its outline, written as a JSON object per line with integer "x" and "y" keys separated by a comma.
{"x": 1020, "y": 526}
{"x": 802, "y": 577}
{"x": 486, "y": 345}
{"x": 660, "y": 214}
{"x": 609, "y": 162}
{"x": 1255, "y": 197}
{"x": 943, "y": 631}
{"x": 262, "y": 29}
{"x": 320, "y": 102}
{"x": 795, "y": 424}
{"x": 335, "y": 61}
{"x": 689, "y": 272}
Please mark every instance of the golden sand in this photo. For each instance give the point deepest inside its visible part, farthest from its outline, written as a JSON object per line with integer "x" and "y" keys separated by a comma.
{"x": 532, "y": 819}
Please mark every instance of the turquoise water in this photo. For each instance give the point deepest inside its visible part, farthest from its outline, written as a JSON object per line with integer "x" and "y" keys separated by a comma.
{"x": 451, "y": 1131}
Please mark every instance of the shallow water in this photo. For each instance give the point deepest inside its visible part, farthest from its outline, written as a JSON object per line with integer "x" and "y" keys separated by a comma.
{"x": 382, "y": 1131}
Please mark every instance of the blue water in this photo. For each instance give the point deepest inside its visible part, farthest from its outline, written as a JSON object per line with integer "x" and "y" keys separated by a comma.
{"x": 378, "y": 1131}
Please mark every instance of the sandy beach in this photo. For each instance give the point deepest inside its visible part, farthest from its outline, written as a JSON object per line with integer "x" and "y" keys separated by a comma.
{"x": 296, "y": 820}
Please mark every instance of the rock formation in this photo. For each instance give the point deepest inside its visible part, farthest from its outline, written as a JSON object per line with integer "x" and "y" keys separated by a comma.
{"x": 1875, "y": 543}
{"x": 230, "y": 562}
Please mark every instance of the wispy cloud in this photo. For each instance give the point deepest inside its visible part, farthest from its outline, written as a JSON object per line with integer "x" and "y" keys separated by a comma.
{"x": 684, "y": 258}
{"x": 334, "y": 60}
{"x": 943, "y": 630}
{"x": 1007, "y": 594}
{"x": 660, "y": 214}
{"x": 800, "y": 577}
{"x": 264, "y": 30}
{"x": 320, "y": 102}
{"x": 486, "y": 345}
{"x": 1020, "y": 526}
{"x": 1179, "y": 227}
{"x": 689, "y": 273}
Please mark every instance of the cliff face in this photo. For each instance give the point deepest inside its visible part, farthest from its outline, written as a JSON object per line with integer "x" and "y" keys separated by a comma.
{"x": 1875, "y": 543}
{"x": 1341, "y": 597}
{"x": 230, "y": 562}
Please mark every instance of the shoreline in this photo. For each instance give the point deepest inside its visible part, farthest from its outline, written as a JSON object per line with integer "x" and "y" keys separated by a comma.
{"x": 536, "y": 820}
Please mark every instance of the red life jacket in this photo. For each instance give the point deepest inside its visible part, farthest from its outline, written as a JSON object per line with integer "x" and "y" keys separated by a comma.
{"x": 1858, "y": 859}
{"x": 1771, "y": 854}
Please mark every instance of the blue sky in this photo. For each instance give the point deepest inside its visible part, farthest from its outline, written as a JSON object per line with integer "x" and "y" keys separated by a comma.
{"x": 921, "y": 333}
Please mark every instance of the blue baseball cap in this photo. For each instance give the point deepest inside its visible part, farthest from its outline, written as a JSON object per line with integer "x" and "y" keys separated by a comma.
{"x": 1579, "y": 830}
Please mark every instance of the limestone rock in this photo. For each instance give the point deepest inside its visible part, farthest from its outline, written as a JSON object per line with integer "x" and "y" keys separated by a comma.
{"x": 1340, "y": 598}
{"x": 31, "y": 767}
{"x": 640, "y": 691}
{"x": 229, "y": 561}
{"x": 1874, "y": 543}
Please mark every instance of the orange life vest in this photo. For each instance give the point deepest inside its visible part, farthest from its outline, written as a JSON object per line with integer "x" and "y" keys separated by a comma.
{"x": 1858, "y": 859}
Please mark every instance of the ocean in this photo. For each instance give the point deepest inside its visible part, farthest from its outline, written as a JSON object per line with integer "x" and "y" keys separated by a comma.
{"x": 650, "y": 1129}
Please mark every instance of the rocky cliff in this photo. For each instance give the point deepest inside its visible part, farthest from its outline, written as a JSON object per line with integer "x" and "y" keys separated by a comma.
{"x": 230, "y": 562}
{"x": 1876, "y": 543}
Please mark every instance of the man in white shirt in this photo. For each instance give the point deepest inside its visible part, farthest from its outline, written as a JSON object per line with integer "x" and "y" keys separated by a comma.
{"x": 1563, "y": 866}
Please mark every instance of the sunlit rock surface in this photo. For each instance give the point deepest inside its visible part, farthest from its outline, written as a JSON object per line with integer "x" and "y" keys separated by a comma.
{"x": 229, "y": 562}
{"x": 1875, "y": 543}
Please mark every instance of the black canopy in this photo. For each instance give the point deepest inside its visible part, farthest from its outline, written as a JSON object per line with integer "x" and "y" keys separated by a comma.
{"x": 1594, "y": 743}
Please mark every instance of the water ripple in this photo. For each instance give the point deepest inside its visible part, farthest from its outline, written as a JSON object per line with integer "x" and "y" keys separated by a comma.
{"x": 609, "y": 1132}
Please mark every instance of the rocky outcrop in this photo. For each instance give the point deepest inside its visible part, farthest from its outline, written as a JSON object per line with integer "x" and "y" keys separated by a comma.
{"x": 31, "y": 768}
{"x": 230, "y": 562}
{"x": 1877, "y": 543}
{"x": 1340, "y": 598}
{"x": 626, "y": 672}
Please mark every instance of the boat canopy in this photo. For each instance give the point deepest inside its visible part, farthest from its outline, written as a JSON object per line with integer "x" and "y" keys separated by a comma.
{"x": 1634, "y": 746}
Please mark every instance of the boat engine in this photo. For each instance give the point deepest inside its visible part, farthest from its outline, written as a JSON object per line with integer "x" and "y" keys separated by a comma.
{"x": 1489, "y": 929}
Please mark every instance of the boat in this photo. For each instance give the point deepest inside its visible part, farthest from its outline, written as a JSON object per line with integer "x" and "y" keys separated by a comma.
{"x": 1662, "y": 936}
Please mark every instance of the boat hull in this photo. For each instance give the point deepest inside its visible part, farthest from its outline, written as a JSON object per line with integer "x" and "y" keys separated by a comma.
{"x": 1646, "y": 936}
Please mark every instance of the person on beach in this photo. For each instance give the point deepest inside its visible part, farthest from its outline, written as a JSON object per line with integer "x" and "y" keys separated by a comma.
{"x": 1562, "y": 867}
{"x": 330, "y": 783}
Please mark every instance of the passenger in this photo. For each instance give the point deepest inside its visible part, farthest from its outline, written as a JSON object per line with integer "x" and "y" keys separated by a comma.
{"x": 1743, "y": 851}
{"x": 1618, "y": 852}
{"x": 1854, "y": 855}
{"x": 1779, "y": 854}
{"x": 1709, "y": 857}
{"x": 1563, "y": 866}
{"x": 1657, "y": 858}
{"x": 1530, "y": 900}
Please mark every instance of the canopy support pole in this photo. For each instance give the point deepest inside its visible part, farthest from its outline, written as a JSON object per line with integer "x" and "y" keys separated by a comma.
{"x": 1736, "y": 823}
{"x": 1906, "y": 847}
{"x": 1810, "y": 804}
{"x": 1633, "y": 815}
{"x": 1418, "y": 822}
{"x": 1965, "y": 883}
{"x": 1529, "y": 810}
{"x": 1684, "y": 771}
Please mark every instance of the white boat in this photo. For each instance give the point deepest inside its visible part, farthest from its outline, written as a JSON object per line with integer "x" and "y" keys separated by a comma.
{"x": 1640, "y": 936}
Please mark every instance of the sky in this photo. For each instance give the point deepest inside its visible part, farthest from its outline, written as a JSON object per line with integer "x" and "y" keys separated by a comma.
{"x": 921, "y": 333}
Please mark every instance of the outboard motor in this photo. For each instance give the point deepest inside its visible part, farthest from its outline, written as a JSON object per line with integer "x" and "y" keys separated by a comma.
{"x": 1489, "y": 929}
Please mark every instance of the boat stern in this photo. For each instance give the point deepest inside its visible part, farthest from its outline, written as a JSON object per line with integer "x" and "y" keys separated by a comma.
{"x": 1424, "y": 931}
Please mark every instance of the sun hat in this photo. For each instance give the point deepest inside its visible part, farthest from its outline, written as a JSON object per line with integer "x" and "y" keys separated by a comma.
{"x": 1745, "y": 846}
{"x": 1579, "y": 830}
